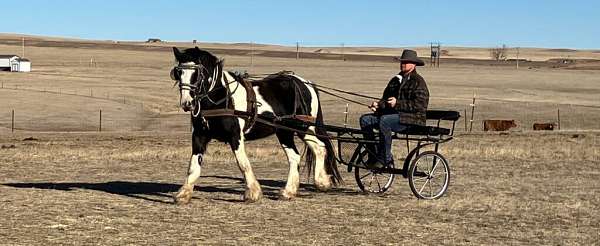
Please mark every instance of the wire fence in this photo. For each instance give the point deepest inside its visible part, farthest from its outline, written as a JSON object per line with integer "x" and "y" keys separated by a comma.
{"x": 93, "y": 118}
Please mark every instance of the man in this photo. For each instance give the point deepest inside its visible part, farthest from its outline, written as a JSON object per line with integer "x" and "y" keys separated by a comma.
{"x": 404, "y": 103}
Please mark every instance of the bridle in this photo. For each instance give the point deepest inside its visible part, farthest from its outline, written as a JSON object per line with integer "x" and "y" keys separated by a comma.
{"x": 197, "y": 89}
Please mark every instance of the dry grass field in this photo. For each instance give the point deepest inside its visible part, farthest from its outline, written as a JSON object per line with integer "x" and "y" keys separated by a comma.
{"x": 63, "y": 183}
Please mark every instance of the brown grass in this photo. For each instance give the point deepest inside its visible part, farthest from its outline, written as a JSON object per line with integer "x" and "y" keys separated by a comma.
{"x": 116, "y": 188}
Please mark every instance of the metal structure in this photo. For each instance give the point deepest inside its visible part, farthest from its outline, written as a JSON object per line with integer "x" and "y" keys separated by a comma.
{"x": 436, "y": 53}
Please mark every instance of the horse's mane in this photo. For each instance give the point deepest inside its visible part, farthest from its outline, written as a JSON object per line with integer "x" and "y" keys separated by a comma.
{"x": 200, "y": 56}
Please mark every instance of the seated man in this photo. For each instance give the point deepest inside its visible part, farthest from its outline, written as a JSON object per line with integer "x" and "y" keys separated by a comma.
{"x": 404, "y": 103}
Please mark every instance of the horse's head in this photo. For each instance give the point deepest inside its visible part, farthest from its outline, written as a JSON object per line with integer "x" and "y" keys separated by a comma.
{"x": 197, "y": 72}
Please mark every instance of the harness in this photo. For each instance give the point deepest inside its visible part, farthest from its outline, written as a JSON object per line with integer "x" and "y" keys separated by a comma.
{"x": 203, "y": 93}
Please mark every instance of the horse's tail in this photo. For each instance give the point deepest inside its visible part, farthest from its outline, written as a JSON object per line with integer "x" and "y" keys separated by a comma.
{"x": 330, "y": 160}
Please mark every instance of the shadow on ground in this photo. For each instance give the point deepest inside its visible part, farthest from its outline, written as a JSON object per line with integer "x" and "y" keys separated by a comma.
{"x": 157, "y": 192}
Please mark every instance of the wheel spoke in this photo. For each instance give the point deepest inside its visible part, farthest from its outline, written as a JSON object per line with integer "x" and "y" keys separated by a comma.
{"x": 423, "y": 187}
{"x": 364, "y": 176}
{"x": 419, "y": 179}
{"x": 430, "y": 189}
{"x": 435, "y": 165}
{"x": 371, "y": 182}
{"x": 378, "y": 184}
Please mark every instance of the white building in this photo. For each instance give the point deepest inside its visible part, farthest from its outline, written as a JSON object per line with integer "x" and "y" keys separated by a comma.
{"x": 14, "y": 63}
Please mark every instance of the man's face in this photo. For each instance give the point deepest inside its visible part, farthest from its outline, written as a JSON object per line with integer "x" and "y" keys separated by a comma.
{"x": 406, "y": 67}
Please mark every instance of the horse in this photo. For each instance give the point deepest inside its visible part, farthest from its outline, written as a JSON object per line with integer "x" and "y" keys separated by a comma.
{"x": 204, "y": 86}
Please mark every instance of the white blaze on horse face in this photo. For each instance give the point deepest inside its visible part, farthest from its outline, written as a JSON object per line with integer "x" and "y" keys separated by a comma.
{"x": 186, "y": 78}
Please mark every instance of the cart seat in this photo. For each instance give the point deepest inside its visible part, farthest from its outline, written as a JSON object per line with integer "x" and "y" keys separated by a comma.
{"x": 425, "y": 130}
{"x": 442, "y": 115}
{"x": 438, "y": 115}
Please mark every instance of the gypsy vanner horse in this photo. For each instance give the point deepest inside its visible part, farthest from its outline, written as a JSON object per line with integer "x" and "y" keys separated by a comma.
{"x": 226, "y": 107}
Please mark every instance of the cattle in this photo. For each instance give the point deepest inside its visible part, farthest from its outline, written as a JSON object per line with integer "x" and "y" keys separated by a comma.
{"x": 498, "y": 125}
{"x": 543, "y": 126}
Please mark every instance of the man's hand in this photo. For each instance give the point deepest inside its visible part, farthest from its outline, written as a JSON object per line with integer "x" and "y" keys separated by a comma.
{"x": 392, "y": 102}
{"x": 374, "y": 106}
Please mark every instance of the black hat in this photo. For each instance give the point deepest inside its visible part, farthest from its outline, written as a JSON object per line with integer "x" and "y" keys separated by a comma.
{"x": 410, "y": 56}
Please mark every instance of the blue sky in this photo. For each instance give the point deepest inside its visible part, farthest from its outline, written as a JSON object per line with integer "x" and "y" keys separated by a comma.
{"x": 533, "y": 23}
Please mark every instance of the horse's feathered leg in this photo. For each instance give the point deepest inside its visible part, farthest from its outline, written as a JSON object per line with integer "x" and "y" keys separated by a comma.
{"x": 286, "y": 139}
{"x": 199, "y": 143}
{"x": 322, "y": 179}
{"x": 253, "y": 191}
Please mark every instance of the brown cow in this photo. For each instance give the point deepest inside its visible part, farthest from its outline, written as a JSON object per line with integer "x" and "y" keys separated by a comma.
{"x": 543, "y": 126}
{"x": 498, "y": 125}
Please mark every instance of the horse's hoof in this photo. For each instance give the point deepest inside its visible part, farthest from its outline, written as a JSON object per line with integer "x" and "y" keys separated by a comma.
{"x": 184, "y": 195}
{"x": 287, "y": 195}
{"x": 250, "y": 196}
{"x": 325, "y": 186}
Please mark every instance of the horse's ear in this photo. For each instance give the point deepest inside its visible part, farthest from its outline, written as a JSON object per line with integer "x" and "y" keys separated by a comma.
{"x": 173, "y": 77}
{"x": 177, "y": 53}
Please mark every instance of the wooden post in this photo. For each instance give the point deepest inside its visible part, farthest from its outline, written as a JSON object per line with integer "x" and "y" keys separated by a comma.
{"x": 12, "y": 124}
{"x": 465, "y": 119}
{"x": 472, "y": 112}
{"x": 100, "y": 122}
{"x": 297, "y": 50}
{"x": 346, "y": 116}
{"x": 558, "y": 115}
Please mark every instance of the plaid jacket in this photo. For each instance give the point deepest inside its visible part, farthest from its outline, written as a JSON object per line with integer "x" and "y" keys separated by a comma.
{"x": 412, "y": 95}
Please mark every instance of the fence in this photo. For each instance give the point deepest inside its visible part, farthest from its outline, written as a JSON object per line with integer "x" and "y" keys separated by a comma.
{"x": 525, "y": 114}
{"x": 572, "y": 117}
{"x": 94, "y": 118}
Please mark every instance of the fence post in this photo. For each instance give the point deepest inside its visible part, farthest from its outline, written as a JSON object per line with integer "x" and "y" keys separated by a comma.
{"x": 12, "y": 124}
{"x": 465, "y": 119}
{"x": 100, "y": 122}
{"x": 472, "y": 112}
{"x": 558, "y": 115}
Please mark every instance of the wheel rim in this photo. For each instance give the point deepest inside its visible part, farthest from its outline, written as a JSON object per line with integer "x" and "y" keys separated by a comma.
{"x": 372, "y": 181}
{"x": 429, "y": 176}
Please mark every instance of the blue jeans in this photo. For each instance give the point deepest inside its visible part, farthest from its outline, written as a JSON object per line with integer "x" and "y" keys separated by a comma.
{"x": 387, "y": 124}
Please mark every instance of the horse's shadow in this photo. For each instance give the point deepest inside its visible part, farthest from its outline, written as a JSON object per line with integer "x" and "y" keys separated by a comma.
{"x": 158, "y": 192}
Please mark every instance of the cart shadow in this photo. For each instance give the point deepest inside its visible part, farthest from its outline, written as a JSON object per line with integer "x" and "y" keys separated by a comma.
{"x": 158, "y": 192}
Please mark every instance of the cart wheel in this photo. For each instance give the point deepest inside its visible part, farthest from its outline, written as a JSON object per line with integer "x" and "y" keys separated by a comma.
{"x": 429, "y": 175}
{"x": 372, "y": 181}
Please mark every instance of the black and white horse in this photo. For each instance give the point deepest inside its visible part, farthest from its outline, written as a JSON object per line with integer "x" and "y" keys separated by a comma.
{"x": 204, "y": 85}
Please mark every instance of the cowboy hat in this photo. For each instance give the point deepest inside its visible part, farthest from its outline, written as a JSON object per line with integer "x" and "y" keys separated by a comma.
{"x": 410, "y": 56}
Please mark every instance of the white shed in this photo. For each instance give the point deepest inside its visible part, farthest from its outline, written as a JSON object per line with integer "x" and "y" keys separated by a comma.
{"x": 20, "y": 65}
{"x": 6, "y": 62}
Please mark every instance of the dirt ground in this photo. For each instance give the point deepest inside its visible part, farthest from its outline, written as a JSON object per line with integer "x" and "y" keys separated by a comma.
{"x": 63, "y": 183}
{"x": 112, "y": 189}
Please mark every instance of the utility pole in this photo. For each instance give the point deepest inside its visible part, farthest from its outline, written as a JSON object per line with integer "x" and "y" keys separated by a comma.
{"x": 251, "y": 55}
{"x": 297, "y": 50}
{"x": 23, "y": 47}
{"x": 517, "y": 57}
